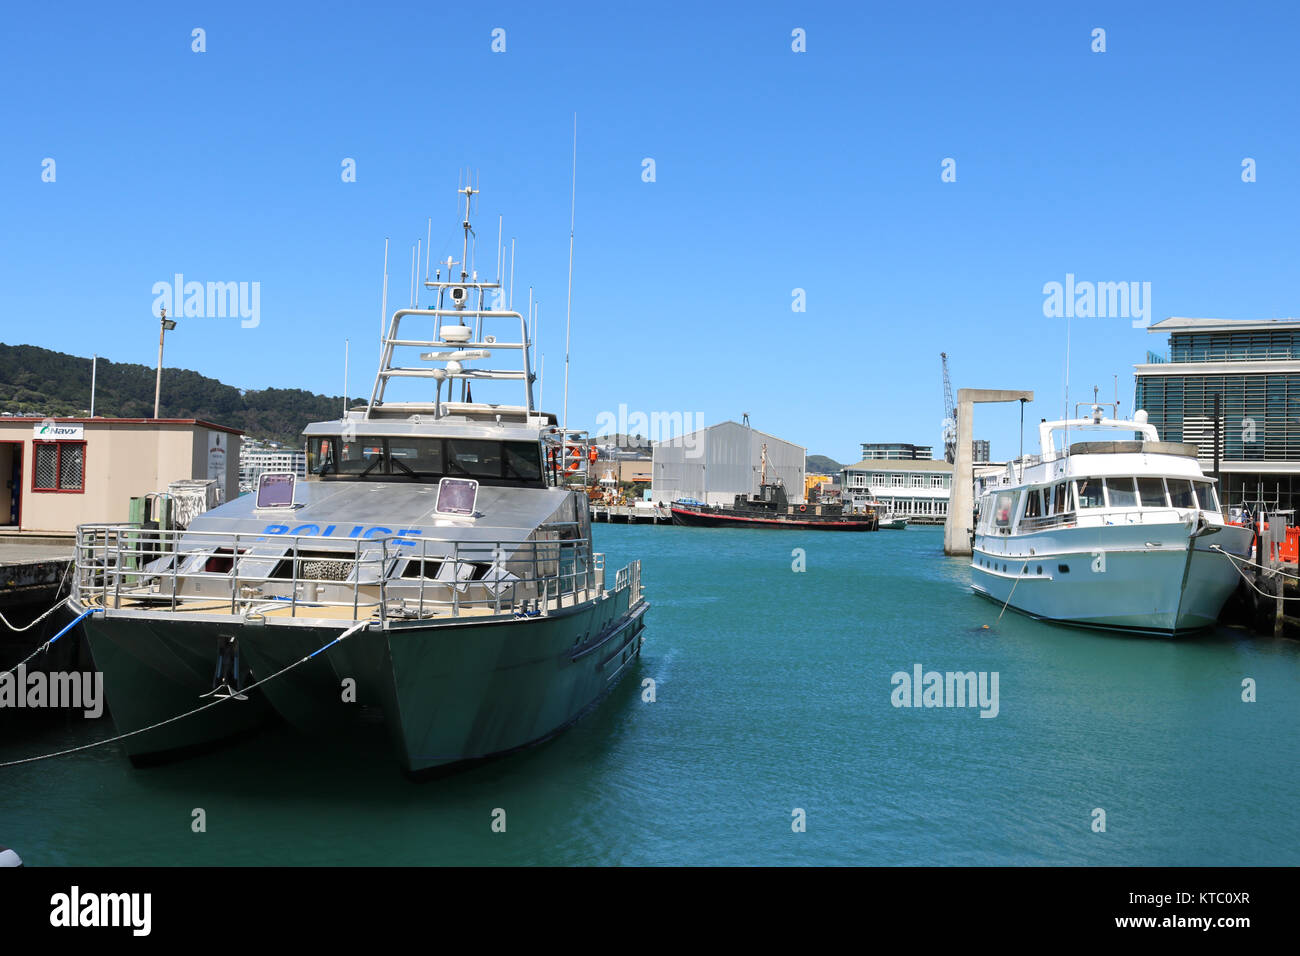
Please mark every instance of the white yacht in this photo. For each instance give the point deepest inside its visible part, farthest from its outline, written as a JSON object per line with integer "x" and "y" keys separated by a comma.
{"x": 1120, "y": 531}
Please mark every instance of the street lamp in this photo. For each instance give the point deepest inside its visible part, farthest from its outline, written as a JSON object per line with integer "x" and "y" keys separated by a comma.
{"x": 167, "y": 326}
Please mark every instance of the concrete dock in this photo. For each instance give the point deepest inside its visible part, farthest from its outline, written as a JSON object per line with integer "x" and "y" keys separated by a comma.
{"x": 630, "y": 514}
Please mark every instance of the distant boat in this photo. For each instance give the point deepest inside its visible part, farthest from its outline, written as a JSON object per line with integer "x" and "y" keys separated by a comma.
{"x": 1119, "y": 534}
{"x": 770, "y": 508}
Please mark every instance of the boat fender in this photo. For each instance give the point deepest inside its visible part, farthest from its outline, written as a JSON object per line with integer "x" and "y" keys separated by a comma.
{"x": 9, "y": 858}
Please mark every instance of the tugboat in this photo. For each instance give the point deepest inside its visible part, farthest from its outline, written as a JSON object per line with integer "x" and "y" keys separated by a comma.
{"x": 437, "y": 565}
{"x": 771, "y": 508}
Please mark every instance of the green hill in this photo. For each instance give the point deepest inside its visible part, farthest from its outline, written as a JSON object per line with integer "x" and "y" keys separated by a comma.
{"x": 37, "y": 381}
{"x": 821, "y": 465}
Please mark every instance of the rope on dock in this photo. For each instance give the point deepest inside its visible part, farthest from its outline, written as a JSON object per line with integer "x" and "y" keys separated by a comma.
{"x": 1234, "y": 559}
{"x": 19, "y": 630}
{"x": 171, "y": 720}
{"x": 46, "y": 646}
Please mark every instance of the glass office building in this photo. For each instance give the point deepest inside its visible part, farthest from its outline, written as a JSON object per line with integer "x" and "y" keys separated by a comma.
{"x": 1254, "y": 368}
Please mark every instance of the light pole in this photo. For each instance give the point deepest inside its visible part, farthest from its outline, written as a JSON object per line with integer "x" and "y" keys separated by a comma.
{"x": 166, "y": 326}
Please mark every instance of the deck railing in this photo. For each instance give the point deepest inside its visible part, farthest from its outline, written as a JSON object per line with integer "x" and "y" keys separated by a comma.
{"x": 392, "y": 577}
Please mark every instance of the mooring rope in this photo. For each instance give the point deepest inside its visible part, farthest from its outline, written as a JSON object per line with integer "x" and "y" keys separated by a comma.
{"x": 1234, "y": 559}
{"x": 171, "y": 720}
{"x": 46, "y": 646}
{"x": 62, "y": 579}
{"x": 1023, "y": 568}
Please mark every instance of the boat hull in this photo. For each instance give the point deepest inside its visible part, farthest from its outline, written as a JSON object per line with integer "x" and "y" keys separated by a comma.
{"x": 1112, "y": 578}
{"x": 156, "y": 669}
{"x": 450, "y": 691}
{"x": 691, "y": 518}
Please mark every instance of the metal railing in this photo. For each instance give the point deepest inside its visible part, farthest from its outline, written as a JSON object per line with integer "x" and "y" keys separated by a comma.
{"x": 118, "y": 566}
{"x": 1194, "y": 355}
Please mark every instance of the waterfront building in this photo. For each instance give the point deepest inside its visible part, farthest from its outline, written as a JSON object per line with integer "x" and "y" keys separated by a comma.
{"x": 896, "y": 451}
{"x": 257, "y": 458}
{"x": 1253, "y": 366}
{"x": 918, "y": 489}
{"x": 714, "y": 464}
{"x": 57, "y": 473}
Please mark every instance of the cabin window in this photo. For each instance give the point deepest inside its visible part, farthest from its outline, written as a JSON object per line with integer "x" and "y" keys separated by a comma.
{"x": 1122, "y": 492}
{"x": 1206, "y": 496}
{"x": 361, "y": 456}
{"x": 1152, "y": 491}
{"x": 1180, "y": 493}
{"x": 1061, "y": 499}
{"x": 473, "y": 458}
{"x": 1089, "y": 493}
{"x": 523, "y": 461}
{"x": 415, "y": 456}
{"x": 1003, "y": 509}
{"x": 419, "y": 458}
{"x": 1034, "y": 504}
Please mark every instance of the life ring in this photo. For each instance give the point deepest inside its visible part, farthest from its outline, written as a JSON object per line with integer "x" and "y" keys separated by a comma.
{"x": 803, "y": 508}
{"x": 573, "y": 466}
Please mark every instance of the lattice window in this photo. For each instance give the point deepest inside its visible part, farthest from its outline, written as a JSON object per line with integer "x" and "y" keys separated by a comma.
{"x": 71, "y": 462}
{"x": 47, "y": 466}
{"x": 60, "y": 466}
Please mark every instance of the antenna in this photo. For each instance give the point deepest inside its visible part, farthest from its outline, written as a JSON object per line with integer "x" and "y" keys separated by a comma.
{"x": 1066, "y": 416}
{"x": 414, "y": 257}
{"x": 345, "y": 378}
{"x": 568, "y": 308}
{"x": 500, "y": 222}
{"x": 428, "y": 249}
{"x": 511, "y": 303}
{"x": 383, "y": 302}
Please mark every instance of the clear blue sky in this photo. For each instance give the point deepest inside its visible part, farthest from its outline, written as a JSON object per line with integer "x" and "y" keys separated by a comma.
{"x": 775, "y": 170}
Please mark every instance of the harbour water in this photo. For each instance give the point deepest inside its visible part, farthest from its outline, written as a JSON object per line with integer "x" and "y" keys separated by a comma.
{"x": 772, "y": 693}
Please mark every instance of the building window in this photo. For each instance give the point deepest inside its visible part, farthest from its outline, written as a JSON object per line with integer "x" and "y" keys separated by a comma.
{"x": 896, "y": 481}
{"x": 918, "y": 481}
{"x": 60, "y": 466}
{"x": 936, "y": 481}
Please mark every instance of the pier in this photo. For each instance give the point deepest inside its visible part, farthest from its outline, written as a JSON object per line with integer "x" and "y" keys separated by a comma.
{"x": 631, "y": 514}
{"x": 31, "y": 568}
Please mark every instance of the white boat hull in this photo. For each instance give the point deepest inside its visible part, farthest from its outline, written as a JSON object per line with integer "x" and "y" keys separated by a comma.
{"x": 1141, "y": 579}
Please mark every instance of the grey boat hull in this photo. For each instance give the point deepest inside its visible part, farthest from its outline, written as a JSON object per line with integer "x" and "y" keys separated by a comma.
{"x": 452, "y": 691}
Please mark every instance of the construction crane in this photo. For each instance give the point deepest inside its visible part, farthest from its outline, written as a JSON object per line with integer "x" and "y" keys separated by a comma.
{"x": 949, "y": 415}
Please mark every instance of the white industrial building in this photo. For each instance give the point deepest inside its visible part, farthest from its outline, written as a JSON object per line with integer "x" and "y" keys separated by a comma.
{"x": 715, "y": 464}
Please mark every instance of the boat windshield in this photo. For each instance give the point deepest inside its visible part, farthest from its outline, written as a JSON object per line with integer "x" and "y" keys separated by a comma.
{"x": 426, "y": 459}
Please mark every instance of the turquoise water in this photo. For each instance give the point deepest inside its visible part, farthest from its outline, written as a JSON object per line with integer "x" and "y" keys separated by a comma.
{"x": 772, "y": 693}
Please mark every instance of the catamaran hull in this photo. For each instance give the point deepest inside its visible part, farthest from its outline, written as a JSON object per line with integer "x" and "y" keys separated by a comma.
{"x": 450, "y": 692}
{"x": 455, "y": 691}
{"x": 157, "y": 669}
{"x": 1127, "y": 585}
